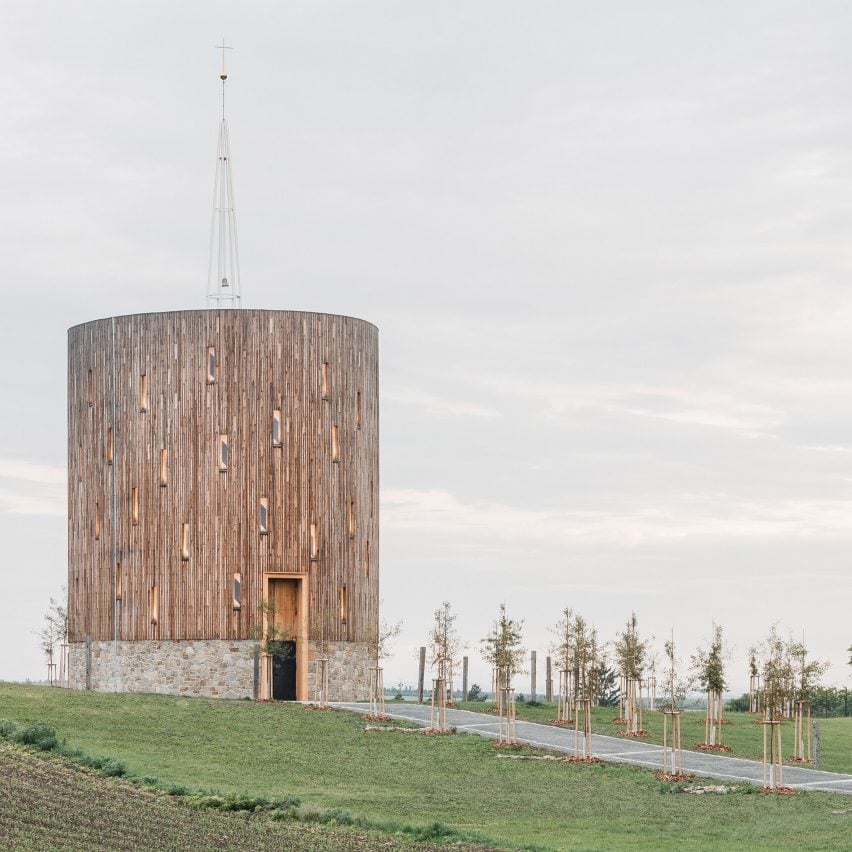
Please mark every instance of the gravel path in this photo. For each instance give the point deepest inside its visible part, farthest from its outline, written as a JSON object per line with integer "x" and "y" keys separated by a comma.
{"x": 622, "y": 750}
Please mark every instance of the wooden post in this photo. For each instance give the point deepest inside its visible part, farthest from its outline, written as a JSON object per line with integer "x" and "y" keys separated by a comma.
{"x": 377, "y": 693}
{"x": 548, "y": 682}
{"x": 464, "y": 678}
{"x": 816, "y": 745}
{"x": 532, "y": 675}
{"x": 421, "y": 674}
{"x": 672, "y": 745}
{"x": 507, "y": 734}
{"x": 439, "y": 705}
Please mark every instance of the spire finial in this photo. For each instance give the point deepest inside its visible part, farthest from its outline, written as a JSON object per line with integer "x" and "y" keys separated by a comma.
{"x": 223, "y": 273}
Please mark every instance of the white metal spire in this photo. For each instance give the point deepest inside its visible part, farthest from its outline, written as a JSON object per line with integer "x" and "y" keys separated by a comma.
{"x": 223, "y": 271}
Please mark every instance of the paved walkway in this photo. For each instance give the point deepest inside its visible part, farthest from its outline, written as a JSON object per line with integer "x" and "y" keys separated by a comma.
{"x": 620, "y": 749}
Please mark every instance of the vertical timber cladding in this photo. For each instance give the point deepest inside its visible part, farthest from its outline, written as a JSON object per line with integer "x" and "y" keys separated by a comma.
{"x": 265, "y": 361}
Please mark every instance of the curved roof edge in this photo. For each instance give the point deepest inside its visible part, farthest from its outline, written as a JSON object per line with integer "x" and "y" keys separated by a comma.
{"x": 224, "y": 310}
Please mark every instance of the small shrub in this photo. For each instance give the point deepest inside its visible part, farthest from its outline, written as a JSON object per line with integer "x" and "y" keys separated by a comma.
{"x": 7, "y": 729}
{"x": 433, "y": 831}
{"x": 113, "y": 768}
{"x": 38, "y": 734}
{"x": 176, "y": 790}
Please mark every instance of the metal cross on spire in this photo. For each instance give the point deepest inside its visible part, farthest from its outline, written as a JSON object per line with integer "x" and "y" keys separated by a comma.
{"x": 223, "y": 271}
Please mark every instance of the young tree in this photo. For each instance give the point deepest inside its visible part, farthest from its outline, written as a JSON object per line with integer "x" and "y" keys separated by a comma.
{"x": 674, "y": 687}
{"x": 630, "y": 650}
{"x": 444, "y": 641}
{"x": 777, "y": 674}
{"x": 575, "y": 649}
{"x": 503, "y": 648}
{"x": 708, "y": 673}
{"x": 54, "y": 634}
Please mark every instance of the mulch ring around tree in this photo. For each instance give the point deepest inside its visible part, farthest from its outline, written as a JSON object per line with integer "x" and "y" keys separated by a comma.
{"x": 798, "y": 760}
{"x": 562, "y": 723}
{"x": 781, "y": 791}
{"x": 510, "y": 746}
{"x": 711, "y": 747}
{"x": 381, "y": 717}
{"x": 635, "y": 734}
{"x": 669, "y": 776}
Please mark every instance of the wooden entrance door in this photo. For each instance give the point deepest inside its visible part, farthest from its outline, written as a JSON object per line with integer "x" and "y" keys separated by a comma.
{"x": 284, "y": 617}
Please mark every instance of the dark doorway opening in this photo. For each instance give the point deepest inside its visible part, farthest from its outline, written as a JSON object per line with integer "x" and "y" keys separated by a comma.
{"x": 283, "y": 670}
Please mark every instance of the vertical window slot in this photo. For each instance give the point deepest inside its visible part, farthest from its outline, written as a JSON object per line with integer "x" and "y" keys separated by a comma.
{"x": 97, "y": 521}
{"x": 110, "y": 446}
{"x": 359, "y": 410}
{"x": 335, "y": 444}
{"x": 164, "y": 467}
{"x": 276, "y": 428}
{"x": 119, "y": 581}
{"x": 134, "y": 505}
{"x": 371, "y": 498}
{"x": 238, "y": 592}
{"x": 351, "y": 519}
{"x": 341, "y": 602}
{"x": 143, "y": 393}
{"x": 153, "y": 604}
{"x": 264, "y": 515}
{"x": 90, "y": 389}
{"x": 184, "y": 542}
{"x": 211, "y": 364}
{"x": 325, "y": 379}
{"x": 314, "y": 543}
{"x": 223, "y": 452}
{"x": 367, "y": 559}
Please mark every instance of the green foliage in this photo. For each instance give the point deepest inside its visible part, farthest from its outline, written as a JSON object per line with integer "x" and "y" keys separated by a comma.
{"x": 577, "y": 651}
{"x": 608, "y": 692}
{"x": 37, "y": 734}
{"x": 738, "y": 705}
{"x": 708, "y": 664}
{"x": 503, "y": 648}
{"x": 673, "y": 686}
{"x": 444, "y": 641}
{"x": 630, "y": 650}
{"x": 475, "y": 693}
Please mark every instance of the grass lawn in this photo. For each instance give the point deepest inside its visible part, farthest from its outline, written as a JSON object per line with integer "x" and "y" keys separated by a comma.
{"x": 326, "y": 759}
{"x": 742, "y": 735}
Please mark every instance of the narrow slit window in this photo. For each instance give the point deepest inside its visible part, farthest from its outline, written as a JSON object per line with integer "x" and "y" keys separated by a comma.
{"x": 118, "y": 581}
{"x": 211, "y": 364}
{"x": 325, "y": 379}
{"x": 90, "y": 390}
{"x": 335, "y": 444}
{"x": 359, "y": 410}
{"x": 153, "y": 604}
{"x": 238, "y": 592}
{"x": 371, "y": 498}
{"x": 314, "y": 543}
{"x": 341, "y": 602}
{"x": 264, "y": 516}
{"x": 80, "y": 463}
{"x": 97, "y": 521}
{"x": 351, "y": 519}
{"x": 276, "y": 428}
{"x": 367, "y": 559}
{"x": 184, "y": 542}
{"x": 134, "y": 505}
{"x": 164, "y": 467}
{"x": 143, "y": 393}
{"x": 223, "y": 452}
{"x": 110, "y": 446}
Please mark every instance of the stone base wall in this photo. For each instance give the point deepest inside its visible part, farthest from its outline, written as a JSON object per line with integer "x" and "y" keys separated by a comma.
{"x": 348, "y": 671}
{"x": 213, "y": 668}
{"x": 193, "y": 667}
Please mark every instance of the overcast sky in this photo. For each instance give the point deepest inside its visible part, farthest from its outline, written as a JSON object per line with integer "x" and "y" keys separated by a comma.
{"x": 608, "y": 246}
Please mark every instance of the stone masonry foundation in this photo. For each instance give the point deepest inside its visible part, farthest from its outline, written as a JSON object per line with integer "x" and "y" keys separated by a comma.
{"x": 211, "y": 668}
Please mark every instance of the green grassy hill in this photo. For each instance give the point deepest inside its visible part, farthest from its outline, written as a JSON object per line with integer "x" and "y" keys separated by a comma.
{"x": 329, "y": 761}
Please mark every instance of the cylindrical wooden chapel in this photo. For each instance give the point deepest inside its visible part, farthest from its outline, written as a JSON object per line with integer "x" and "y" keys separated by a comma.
{"x": 223, "y": 515}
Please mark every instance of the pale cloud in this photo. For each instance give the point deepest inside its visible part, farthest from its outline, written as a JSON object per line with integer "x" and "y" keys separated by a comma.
{"x": 679, "y": 405}
{"x": 437, "y": 406}
{"x": 32, "y": 489}
{"x": 663, "y": 518}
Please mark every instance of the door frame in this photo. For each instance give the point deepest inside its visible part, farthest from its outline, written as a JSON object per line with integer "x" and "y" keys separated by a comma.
{"x": 301, "y": 637}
